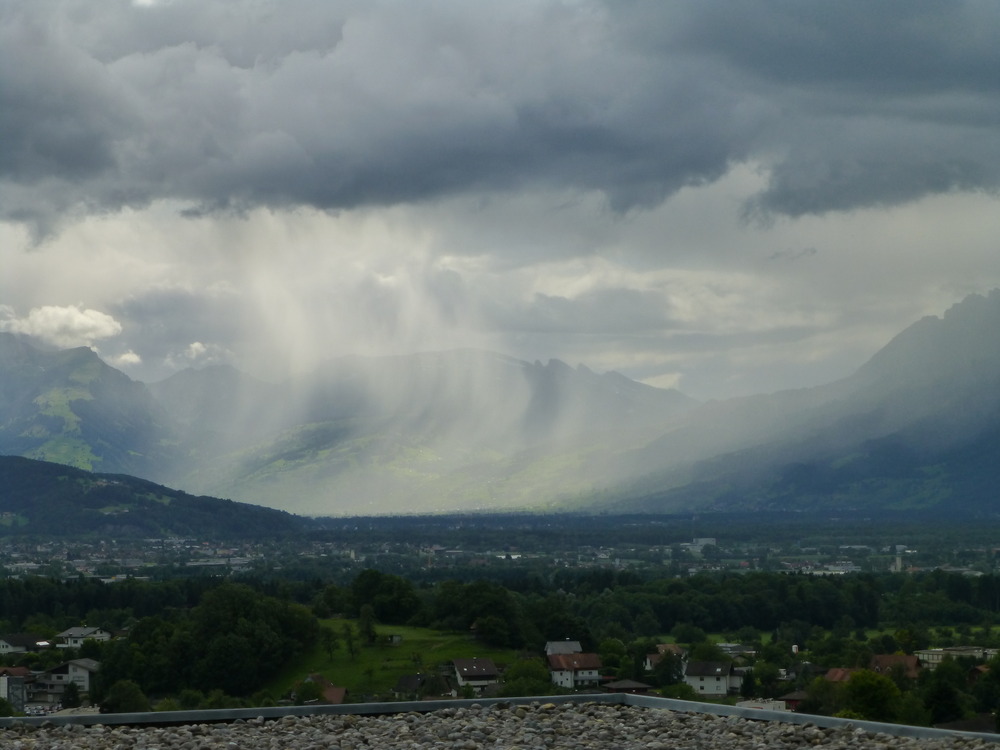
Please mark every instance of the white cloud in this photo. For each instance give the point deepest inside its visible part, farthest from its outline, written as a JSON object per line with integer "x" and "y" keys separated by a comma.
{"x": 125, "y": 360}
{"x": 196, "y": 350}
{"x": 198, "y": 354}
{"x": 64, "y": 326}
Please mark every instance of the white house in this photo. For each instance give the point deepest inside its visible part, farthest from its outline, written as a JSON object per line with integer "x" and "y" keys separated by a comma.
{"x": 74, "y": 637}
{"x": 50, "y": 685}
{"x": 575, "y": 670}
{"x": 709, "y": 678}
{"x": 18, "y": 643}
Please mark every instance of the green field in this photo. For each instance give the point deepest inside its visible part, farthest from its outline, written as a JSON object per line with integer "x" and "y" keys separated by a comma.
{"x": 374, "y": 670}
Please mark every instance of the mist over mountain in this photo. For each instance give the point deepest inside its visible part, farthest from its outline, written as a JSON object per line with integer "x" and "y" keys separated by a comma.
{"x": 916, "y": 427}
{"x": 423, "y": 432}
{"x": 433, "y": 431}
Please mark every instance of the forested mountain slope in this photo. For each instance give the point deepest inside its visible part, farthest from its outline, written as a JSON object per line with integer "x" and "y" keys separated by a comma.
{"x": 41, "y": 498}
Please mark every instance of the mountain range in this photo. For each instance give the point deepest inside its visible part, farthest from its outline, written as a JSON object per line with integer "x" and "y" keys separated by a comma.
{"x": 915, "y": 428}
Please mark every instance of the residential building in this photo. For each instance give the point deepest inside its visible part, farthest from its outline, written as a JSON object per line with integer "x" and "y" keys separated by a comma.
{"x": 931, "y": 657}
{"x": 709, "y": 678}
{"x": 74, "y": 637}
{"x": 574, "y": 671}
{"x": 476, "y": 673}
{"x": 13, "y": 685}
{"x": 50, "y": 685}
{"x": 18, "y": 643}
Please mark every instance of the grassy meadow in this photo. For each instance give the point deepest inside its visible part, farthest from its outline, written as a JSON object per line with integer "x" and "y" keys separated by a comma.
{"x": 374, "y": 670}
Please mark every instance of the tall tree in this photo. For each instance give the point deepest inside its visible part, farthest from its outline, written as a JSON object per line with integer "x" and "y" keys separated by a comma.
{"x": 872, "y": 696}
{"x": 366, "y": 624}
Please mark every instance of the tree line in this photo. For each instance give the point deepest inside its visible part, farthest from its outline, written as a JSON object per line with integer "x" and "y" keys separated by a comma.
{"x": 233, "y": 636}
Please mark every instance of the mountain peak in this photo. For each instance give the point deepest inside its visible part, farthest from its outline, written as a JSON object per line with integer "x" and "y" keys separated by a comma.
{"x": 70, "y": 406}
{"x": 964, "y": 341}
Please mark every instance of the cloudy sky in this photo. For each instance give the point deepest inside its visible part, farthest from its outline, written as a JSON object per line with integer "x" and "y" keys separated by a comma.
{"x": 727, "y": 197}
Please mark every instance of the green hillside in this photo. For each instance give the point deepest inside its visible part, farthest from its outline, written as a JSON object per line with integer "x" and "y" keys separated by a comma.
{"x": 374, "y": 670}
{"x": 71, "y": 408}
{"x": 42, "y": 498}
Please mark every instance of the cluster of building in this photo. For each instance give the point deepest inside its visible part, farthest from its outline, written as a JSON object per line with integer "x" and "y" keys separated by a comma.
{"x": 114, "y": 559}
{"x": 569, "y": 667}
{"x": 573, "y": 669}
{"x": 44, "y": 690}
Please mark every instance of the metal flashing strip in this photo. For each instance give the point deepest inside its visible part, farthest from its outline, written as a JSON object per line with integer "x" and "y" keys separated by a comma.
{"x": 162, "y": 718}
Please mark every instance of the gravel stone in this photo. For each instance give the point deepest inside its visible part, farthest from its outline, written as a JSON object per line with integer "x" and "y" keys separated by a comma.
{"x": 547, "y": 726}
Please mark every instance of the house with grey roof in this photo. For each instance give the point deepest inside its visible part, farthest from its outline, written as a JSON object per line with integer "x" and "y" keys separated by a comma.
{"x": 709, "y": 678}
{"x": 49, "y": 686}
{"x": 563, "y": 647}
{"x": 74, "y": 637}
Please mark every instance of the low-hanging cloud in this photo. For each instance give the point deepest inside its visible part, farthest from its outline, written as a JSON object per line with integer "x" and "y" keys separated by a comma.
{"x": 61, "y": 326}
{"x": 229, "y": 106}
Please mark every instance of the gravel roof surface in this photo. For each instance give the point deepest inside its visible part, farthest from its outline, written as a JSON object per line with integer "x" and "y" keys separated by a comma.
{"x": 580, "y": 726}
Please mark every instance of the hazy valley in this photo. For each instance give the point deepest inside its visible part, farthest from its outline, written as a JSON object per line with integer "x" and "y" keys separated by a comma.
{"x": 917, "y": 427}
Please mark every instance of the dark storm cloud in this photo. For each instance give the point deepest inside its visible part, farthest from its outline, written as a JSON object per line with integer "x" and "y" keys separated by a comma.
{"x": 879, "y": 103}
{"x": 894, "y": 47}
{"x": 227, "y": 106}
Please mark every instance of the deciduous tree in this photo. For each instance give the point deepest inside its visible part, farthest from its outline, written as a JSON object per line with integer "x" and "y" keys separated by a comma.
{"x": 872, "y": 696}
{"x": 125, "y": 696}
